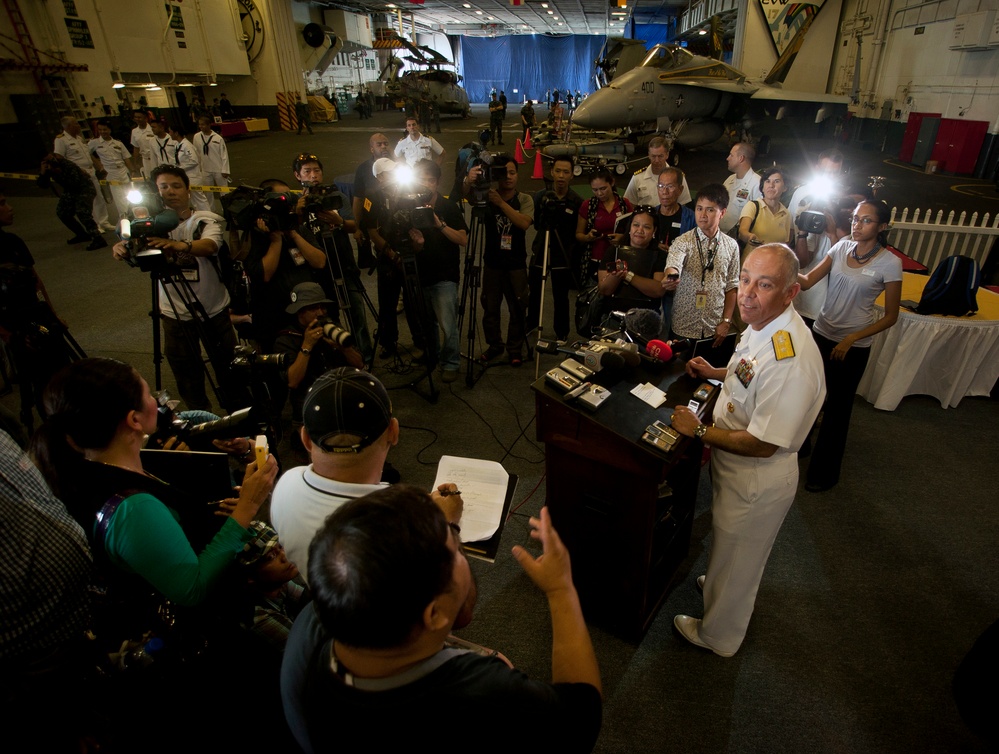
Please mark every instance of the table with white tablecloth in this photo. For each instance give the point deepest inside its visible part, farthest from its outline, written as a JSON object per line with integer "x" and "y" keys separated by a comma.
{"x": 946, "y": 357}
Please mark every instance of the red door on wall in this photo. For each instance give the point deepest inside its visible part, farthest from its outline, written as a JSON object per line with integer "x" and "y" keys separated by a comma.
{"x": 958, "y": 144}
{"x": 911, "y": 136}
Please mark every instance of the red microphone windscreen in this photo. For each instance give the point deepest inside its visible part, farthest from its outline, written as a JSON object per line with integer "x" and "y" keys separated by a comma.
{"x": 659, "y": 350}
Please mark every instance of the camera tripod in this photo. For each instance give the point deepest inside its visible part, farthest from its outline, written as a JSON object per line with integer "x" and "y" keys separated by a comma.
{"x": 413, "y": 295}
{"x": 172, "y": 279}
{"x": 334, "y": 264}
{"x": 470, "y": 285}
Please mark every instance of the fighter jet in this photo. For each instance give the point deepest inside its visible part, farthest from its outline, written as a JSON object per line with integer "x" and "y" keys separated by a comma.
{"x": 691, "y": 98}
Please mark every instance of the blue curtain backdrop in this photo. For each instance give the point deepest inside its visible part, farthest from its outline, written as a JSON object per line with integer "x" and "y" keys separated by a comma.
{"x": 653, "y": 34}
{"x": 528, "y": 63}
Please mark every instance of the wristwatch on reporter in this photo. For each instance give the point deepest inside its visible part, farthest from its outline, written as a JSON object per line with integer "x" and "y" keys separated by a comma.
{"x": 700, "y": 430}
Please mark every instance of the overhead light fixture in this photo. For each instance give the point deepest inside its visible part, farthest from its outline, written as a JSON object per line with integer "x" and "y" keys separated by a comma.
{"x": 702, "y": 32}
{"x": 489, "y": 18}
{"x": 544, "y": 5}
{"x": 551, "y": 13}
{"x": 465, "y": 5}
{"x": 391, "y": 5}
{"x": 478, "y": 13}
{"x": 154, "y": 89}
{"x": 559, "y": 23}
{"x": 118, "y": 85}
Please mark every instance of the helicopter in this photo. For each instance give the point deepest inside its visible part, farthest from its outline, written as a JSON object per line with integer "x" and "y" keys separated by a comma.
{"x": 430, "y": 82}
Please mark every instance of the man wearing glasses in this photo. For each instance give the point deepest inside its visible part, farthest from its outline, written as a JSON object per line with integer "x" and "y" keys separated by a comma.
{"x": 642, "y": 190}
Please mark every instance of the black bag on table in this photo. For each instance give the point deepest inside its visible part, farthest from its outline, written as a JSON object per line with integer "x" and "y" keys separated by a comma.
{"x": 952, "y": 288}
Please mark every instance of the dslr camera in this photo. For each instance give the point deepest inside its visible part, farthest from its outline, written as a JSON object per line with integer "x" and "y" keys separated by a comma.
{"x": 811, "y": 221}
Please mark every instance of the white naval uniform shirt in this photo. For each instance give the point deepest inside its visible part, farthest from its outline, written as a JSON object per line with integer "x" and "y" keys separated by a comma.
{"x": 216, "y": 158}
{"x": 781, "y": 400}
{"x": 741, "y": 191}
{"x": 74, "y": 149}
{"x": 144, "y": 140}
{"x": 424, "y": 148}
{"x": 112, "y": 154}
{"x": 644, "y": 189}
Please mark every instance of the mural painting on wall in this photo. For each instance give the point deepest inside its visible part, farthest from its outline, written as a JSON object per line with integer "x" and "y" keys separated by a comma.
{"x": 786, "y": 19}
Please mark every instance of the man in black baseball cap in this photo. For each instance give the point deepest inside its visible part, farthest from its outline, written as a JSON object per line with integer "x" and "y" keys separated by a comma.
{"x": 314, "y": 344}
{"x": 349, "y": 430}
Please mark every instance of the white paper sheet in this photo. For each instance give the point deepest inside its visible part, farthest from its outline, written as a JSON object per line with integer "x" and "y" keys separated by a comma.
{"x": 483, "y": 486}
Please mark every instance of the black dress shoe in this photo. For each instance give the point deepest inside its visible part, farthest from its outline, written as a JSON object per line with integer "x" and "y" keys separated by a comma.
{"x": 817, "y": 487}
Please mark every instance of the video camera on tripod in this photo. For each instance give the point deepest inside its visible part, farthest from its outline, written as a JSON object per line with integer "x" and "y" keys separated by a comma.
{"x": 244, "y": 206}
{"x": 550, "y": 209}
{"x": 487, "y": 179}
{"x": 147, "y": 219}
{"x": 408, "y": 208}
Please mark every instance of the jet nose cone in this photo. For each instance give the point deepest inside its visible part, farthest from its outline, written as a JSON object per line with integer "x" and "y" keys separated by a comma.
{"x": 599, "y": 111}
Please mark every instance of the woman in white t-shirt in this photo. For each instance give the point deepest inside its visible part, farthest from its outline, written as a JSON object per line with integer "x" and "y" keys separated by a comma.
{"x": 859, "y": 269}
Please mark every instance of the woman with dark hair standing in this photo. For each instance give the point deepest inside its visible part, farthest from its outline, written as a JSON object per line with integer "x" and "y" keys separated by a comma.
{"x": 597, "y": 218}
{"x": 859, "y": 269}
{"x": 99, "y": 412}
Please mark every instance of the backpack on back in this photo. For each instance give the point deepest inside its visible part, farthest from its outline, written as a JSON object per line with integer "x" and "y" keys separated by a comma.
{"x": 952, "y": 288}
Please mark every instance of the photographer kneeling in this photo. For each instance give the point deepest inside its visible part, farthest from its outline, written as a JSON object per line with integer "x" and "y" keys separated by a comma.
{"x": 315, "y": 353}
{"x": 192, "y": 249}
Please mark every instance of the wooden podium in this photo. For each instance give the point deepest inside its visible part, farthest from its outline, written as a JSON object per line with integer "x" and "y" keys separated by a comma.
{"x": 623, "y": 508}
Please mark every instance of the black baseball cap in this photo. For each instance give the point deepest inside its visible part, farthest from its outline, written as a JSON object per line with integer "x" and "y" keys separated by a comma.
{"x": 346, "y": 401}
{"x": 306, "y": 294}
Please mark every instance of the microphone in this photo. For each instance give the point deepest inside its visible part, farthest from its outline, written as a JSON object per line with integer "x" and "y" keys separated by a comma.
{"x": 630, "y": 356}
{"x": 644, "y": 324}
{"x": 681, "y": 344}
{"x": 594, "y": 356}
{"x": 659, "y": 350}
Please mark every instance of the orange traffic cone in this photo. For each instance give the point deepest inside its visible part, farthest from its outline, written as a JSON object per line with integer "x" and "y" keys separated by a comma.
{"x": 518, "y": 153}
{"x": 527, "y": 140}
{"x": 539, "y": 172}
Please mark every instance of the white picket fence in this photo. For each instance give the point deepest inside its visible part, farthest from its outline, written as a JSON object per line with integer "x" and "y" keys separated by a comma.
{"x": 929, "y": 240}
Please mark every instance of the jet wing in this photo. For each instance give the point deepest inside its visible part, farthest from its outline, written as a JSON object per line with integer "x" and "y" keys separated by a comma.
{"x": 776, "y": 94}
{"x": 718, "y": 85}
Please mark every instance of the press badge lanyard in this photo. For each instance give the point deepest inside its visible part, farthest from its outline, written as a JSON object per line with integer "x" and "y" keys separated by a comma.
{"x": 708, "y": 266}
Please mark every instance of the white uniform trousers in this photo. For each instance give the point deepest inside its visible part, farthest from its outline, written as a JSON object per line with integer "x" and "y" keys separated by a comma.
{"x": 213, "y": 179}
{"x": 750, "y": 498}
{"x": 202, "y": 200}
{"x": 120, "y": 193}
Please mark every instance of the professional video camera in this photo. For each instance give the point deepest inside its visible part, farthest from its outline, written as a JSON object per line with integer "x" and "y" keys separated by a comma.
{"x": 490, "y": 176}
{"x": 321, "y": 198}
{"x": 409, "y": 207}
{"x": 199, "y": 436}
{"x": 244, "y": 206}
{"x": 147, "y": 219}
{"x": 550, "y": 209}
{"x": 811, "y": 221}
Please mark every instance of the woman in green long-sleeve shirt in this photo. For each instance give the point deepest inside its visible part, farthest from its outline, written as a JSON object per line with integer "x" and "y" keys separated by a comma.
{"x": 99, "y": 412}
